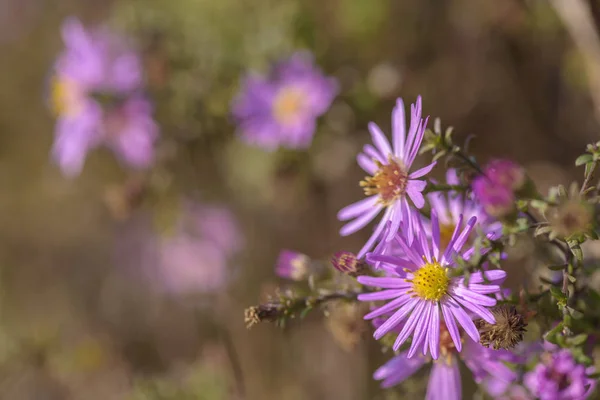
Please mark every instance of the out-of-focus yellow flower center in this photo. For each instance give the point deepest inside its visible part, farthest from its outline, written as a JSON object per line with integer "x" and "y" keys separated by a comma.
{"x": 65, "y": 97}
{"x": 430, "y": 282}
{"x": 446, "y": 231}
{"x": 447, "y": 346}
{"x": 288, "y": 103}
{"x": 571, "y": 218}
{"x": 299, "y": 267}
{"x": 389, "y": 181}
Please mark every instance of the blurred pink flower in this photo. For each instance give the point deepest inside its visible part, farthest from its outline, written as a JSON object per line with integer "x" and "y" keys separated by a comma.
{"x": 196, "y": 257}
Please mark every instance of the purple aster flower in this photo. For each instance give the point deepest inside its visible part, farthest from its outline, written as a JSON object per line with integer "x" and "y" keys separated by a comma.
{"x": 449, "y": 207}
{"x": 281, "y": 110}
{"x": 95, "y": 94}
{"x": 559, "y": 377}
{"x": 495, "y": 188}
{"x": 292, "y": 265}
{"x": 391, "y": 181}
{"x": 444, "y": 380}
{"x": 422, "y": 291}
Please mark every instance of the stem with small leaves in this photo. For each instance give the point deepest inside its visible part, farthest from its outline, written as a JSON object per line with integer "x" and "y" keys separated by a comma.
{"x": 588, "y": 177}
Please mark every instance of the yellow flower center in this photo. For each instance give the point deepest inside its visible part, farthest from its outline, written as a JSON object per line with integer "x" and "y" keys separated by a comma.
{"x": 288, "y": 103}
{"x": 446, "y": 231}
{"x": 65, "y": 96}
{"x": 430, "y": 282}
{"x": 389, "y": 181}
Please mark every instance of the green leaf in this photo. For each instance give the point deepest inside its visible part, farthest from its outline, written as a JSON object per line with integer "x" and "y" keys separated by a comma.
{"x": 437, "y": 126}
{"x": 574, "y": 313}
{"x": 305, "y": 312}
{"x": 588, "y": 169}
{"x": 584, "y": 159}
{"x": 581, "y": 358}
{"x": 557, "y": 293}
{"x": 571, "y": 278}
{"x": 539, "y": 205}
{"x": 577, "y": 252}
{"x": 578, "y": 340}
{"x": 552, "y": 334}
{"x": 439, "y": 155}
{"x": 557, "y": 267}
{"x": 546, "y": 281}
{"x": 594, "y": 296}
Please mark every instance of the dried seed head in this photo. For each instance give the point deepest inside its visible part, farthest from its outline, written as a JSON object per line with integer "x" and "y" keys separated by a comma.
{"x": 264, "y": 312}
{"x": 508, "y": 330}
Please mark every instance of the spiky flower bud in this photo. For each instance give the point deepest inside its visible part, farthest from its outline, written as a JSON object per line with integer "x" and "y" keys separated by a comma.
{"x": 508, "y": 330}
{"x": 347, "y": 263}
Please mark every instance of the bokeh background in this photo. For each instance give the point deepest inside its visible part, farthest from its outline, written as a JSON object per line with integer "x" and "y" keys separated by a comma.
{"x": 80, "y": 313}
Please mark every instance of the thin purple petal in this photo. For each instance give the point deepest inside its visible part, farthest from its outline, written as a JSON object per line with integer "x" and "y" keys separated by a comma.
{"x": 358, "y": 208}
{"x": 395, "y": 319}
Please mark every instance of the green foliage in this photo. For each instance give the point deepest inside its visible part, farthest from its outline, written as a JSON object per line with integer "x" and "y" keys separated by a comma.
{"x": 198, "y": 58}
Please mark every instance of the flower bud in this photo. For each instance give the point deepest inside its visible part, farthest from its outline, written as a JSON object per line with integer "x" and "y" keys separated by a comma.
{"x": 496, "y": 188}
{"x": 347, "y": 263}
{"x": 506, "y": 173}
{"x": 498, "y": 201}
{"x": 292, "y": 265}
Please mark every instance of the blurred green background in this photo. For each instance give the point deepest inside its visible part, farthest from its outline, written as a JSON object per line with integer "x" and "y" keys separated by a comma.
{"x": 76, "y": 319}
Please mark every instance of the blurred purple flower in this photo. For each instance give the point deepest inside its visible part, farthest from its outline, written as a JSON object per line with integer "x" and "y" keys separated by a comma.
{"x": 502, "y": 390}
{"x": 96, "y": 95}
{"x": 445, "y": 381}
{"x": 559, "y": 377}
{"x": 281, "y": 110}
{"x": 494, "y": 190}
{"x": 391, "y": 183}
{"x": 507, "y": 173}
{"x": 197, "y": 256}
{"x": 452, "y": 205}
{"x": 191, "y": 265}
{"x": 218, "y": 225}
{"x": 292, "y": 265}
